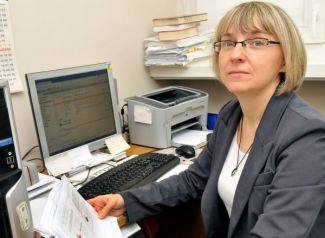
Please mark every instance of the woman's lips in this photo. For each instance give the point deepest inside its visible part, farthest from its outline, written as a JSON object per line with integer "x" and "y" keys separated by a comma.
{"x": 237, "y": 73}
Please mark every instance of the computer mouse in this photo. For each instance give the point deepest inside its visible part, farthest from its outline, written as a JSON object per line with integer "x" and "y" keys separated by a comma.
{"x": 186, "y": 151}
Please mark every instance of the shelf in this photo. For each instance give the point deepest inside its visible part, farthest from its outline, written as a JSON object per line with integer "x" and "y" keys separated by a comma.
{"x": 203, "y": 70}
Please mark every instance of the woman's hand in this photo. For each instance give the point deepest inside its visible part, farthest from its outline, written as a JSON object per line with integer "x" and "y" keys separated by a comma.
{"x": 110, "y": 204}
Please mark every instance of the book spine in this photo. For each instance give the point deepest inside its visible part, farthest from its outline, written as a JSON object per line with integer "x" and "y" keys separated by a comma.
{"x": 180, "y": 20}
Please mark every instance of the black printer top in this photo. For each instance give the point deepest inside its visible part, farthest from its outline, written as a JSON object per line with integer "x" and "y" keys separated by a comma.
{"x": 172, "y": 96}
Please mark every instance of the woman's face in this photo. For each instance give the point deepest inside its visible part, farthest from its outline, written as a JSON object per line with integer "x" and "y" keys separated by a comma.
{"x": 247, "y": 70}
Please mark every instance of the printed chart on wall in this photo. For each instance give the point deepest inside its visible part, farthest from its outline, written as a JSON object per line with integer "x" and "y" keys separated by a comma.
{"x": 8, "y": 66}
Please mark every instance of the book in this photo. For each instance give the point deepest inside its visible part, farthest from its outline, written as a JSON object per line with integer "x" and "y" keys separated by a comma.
{"x": 154, "y": 42}
{"x": 177, "y": 35}
{"x": 180, "y": 19}
{"x": 175, "y": 27}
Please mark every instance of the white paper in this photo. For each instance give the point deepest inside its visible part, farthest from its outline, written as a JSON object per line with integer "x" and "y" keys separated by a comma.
{"x": 8, "y": 65}
{"x": 193, "y": 138}
{"x": 116, "y": 144}
{"x": 142, "y": 114}
{"x": 80, "y": 156}
{"x": 58, "y": 164}
{"x": 130, "y": 229}
{"x": 67, "y": 215}
{"x": 37, "y": 206}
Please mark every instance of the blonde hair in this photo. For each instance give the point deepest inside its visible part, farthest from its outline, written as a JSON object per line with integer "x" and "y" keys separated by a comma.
{"x": 266, "y": 17}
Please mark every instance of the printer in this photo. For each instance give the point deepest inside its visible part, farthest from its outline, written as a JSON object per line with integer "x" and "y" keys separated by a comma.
{"x": 154, "y": 117}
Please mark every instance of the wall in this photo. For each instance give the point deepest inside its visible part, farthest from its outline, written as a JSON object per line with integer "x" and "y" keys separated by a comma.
{"x": 311, "y": 91}
{"x": 63, "y": 33}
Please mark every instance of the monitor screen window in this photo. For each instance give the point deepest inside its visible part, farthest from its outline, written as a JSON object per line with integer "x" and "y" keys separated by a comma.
{"x": 74, "y": 107}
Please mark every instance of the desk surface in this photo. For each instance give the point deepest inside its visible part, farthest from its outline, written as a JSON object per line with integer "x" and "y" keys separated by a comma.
{"x": 138, "y": 150}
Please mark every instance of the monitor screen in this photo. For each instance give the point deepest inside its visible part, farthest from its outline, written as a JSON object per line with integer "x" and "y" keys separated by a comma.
{"x": 74, "y": 107}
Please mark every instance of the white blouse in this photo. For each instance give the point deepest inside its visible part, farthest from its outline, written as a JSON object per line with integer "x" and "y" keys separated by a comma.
{"x": 227, "y": 184}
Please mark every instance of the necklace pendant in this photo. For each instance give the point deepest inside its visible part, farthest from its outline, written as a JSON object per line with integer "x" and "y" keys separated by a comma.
{"x": 233, "y": 172}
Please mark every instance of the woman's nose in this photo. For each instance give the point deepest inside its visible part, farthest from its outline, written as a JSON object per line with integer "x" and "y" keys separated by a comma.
{"x": 238, "y": 52}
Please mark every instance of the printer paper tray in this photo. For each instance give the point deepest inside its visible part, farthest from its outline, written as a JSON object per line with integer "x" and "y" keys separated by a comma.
{"x": 183, "y": 126}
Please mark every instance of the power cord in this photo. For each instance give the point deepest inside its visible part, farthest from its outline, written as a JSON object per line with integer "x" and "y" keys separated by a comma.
{"x": 30, "y": 150}
{"x": 88, "y": 173}
{"x": 124, "y": 124}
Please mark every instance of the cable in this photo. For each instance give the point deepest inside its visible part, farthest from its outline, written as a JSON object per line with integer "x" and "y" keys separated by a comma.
{"x": 30, "y": 150}
{"x": 124, "y": 124}
{"x": 88, "y": 173}
{"x": 84, "y": 180}
{"x": 32, "y": 159}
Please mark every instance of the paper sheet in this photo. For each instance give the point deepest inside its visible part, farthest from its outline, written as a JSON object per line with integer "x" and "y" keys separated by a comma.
{"x": 58, "y": 164}
{"x": 116, "y": 144}
{"x": 67, "y": 215}
{"x": 80, "y": 156}
{"x": 193, "y": 138}
{"x": 142, "y": 114}
{"x": 8, "y": 65}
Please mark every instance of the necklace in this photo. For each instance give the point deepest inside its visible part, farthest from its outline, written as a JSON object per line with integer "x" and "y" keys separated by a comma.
{"x": 239, "y": 161}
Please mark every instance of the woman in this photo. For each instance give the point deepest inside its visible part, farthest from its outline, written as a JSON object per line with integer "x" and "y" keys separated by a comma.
{"x": 262, "y": 172}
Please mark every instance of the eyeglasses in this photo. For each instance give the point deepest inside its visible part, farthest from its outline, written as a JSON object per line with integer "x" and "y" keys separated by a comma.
{"x": 254, "y": 44}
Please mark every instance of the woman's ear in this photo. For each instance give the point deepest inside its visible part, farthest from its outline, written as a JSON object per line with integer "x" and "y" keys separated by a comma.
{"x": 283, "y": 68}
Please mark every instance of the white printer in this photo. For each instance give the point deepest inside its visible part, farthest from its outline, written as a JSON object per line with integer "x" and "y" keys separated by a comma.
{"x": 154, "y": 117}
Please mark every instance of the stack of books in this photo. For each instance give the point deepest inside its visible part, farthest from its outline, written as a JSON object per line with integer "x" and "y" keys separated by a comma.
{"x": 177, "y": 41}
{"x": 177, "y": 28}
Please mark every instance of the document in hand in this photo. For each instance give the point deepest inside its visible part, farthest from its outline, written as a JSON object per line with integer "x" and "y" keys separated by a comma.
{"x": 67, "y": 215}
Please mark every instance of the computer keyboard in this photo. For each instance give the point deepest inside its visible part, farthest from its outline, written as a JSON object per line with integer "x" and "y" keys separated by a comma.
{"x": 136, "y": 172}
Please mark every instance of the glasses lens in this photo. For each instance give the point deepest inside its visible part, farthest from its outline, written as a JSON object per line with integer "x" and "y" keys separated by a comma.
{"x": 257, "y": 43}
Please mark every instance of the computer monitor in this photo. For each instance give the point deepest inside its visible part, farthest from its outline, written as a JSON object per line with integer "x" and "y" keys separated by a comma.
{"x": 74, "y": 107}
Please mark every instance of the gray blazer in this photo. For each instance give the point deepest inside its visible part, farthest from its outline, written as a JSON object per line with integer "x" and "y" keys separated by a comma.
{"x": 281, "y": 191}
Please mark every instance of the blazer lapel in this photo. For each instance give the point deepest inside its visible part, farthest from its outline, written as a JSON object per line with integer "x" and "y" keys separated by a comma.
{"x": 228, "y": 130}
{"x": 258, "y": 155}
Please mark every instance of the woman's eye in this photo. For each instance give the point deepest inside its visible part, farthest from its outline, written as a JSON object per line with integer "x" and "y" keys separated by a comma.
{"x": 258, "y": 43}
{"x": 229, "y": 43}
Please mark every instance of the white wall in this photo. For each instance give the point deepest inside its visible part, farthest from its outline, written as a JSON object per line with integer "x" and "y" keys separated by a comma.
{"x": 51, "y": 34}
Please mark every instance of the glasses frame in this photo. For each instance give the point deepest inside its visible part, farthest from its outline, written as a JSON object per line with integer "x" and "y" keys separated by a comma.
{"x": 218, "y": 48}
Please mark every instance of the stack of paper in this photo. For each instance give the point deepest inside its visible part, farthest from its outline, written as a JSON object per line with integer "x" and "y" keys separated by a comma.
{"x": 67, "y": 215}
{"x": 180, "y": 52}
{"x": 193, "y": 138}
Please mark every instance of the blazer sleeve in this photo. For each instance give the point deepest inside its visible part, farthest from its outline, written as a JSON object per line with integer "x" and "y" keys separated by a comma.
{"x": 189, "y": 184}
{"x": 295, "y": 201}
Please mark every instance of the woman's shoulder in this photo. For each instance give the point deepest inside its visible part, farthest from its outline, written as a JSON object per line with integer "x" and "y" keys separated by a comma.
{"x": 301, "y": 120}
{"x": 300, "y": 108}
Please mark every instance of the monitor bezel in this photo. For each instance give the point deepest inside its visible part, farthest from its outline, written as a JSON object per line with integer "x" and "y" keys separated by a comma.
{"x": 33, "y": 78}
{"x": 6, "y": 89}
